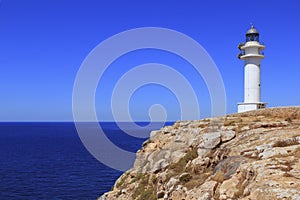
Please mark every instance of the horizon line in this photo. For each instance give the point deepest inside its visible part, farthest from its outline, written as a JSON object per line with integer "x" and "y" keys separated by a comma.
{"x": 50, "y": 121}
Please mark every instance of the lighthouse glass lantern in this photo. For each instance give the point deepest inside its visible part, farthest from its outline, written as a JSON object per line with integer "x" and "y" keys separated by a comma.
{"x": 251, "y": 53}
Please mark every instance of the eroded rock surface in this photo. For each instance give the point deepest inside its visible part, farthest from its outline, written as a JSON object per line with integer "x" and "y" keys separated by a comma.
{"x": 252, "y": 155}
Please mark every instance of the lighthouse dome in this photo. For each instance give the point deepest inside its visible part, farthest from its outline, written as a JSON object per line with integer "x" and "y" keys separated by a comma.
{"x": 252, "y": 30}
{"x": 252, "y": 34}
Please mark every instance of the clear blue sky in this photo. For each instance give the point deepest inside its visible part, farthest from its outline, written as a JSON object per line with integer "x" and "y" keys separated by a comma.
{"x": 43, "y": 43}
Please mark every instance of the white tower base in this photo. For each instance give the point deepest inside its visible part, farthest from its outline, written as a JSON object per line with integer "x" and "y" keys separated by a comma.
{"x": 243, "y": 107}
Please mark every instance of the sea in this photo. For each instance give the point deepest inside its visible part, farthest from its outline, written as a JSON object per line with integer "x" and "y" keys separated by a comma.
{"x": 48, "y": 161}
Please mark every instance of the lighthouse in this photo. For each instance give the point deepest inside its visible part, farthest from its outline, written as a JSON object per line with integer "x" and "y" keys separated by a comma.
{"x": 251, "y": 53}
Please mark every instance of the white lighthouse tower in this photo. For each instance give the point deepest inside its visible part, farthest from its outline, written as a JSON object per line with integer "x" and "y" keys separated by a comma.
{"x": 252, "y": 55}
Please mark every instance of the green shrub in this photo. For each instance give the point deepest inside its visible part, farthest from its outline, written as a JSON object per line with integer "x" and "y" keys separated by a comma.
{"x": 185, "y": 178}
{"x": 122, "y": 180}
{"x": 147, "y": 195}
{"x": 180, "y": 165}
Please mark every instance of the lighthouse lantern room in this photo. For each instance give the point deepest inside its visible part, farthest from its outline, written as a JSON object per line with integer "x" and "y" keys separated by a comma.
{"x": 251, "y": 53}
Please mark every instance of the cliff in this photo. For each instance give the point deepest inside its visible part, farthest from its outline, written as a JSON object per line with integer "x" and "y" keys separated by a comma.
{"x": 251, "y": 155}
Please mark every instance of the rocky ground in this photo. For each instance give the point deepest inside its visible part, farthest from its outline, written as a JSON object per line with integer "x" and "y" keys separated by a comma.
{"x": 252, "y": 155}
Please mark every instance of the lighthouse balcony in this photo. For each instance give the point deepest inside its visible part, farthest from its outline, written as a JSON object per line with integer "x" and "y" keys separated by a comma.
{"x": 241, "y": 45}
{"x": 252, "y": 44}
{"x": 251, "y": 56}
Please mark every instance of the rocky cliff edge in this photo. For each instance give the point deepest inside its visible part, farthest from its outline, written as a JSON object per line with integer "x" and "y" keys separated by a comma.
{"x": 251, "y": 155}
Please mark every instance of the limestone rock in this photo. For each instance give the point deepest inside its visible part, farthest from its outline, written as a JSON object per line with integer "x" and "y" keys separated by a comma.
{"x": 210, "y": 140}
{"x": 227, "y": 135}
{"x": 251, "y": 155}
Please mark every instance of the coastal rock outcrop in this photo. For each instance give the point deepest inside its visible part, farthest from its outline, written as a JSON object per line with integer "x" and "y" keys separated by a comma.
{"x": 251, "y": 155}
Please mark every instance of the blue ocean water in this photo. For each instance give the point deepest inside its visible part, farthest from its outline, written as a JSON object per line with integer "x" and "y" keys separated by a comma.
{"x": 48, "y": 161}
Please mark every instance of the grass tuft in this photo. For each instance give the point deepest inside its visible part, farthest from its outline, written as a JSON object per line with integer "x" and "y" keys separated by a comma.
{"x": 180, "y": 165}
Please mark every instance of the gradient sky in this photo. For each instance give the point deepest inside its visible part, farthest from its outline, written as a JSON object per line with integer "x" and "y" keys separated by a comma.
{"x": 43, "y": 43}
